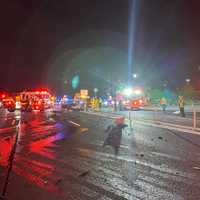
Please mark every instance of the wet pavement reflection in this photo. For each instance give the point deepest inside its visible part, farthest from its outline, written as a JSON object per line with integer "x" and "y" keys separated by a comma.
{"x": 35, "y": 157}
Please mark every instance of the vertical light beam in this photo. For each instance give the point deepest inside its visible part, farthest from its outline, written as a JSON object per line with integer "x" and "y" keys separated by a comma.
{"x": 131, "y": 38}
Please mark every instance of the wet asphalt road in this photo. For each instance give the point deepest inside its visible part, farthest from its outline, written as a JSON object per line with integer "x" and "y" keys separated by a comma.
{"x": 60, "y": 156}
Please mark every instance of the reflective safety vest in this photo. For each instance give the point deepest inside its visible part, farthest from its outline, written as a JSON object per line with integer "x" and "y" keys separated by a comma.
{"x": 163, "y": 101}
{"x": 95, "y": 103}
{"x": 181, "y": 101}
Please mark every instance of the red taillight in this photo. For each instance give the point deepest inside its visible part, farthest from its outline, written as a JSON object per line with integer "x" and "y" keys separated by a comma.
{"x": 9, "y": 102}
{"x": 37, "y": 107}
{"x": 3, "y": 96}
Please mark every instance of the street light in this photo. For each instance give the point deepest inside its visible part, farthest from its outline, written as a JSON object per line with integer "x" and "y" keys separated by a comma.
{"x": 165, "y": 85}
{"x": 188, "y": 80}
{"x": 135, "y": 75}
{"x": 128, "y": 91}
{"x": 138, "y": 91}
{"x": 95, "y": 91}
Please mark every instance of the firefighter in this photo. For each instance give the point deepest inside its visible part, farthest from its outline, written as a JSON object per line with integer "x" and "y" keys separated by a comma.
{"x": 92, "y": 104}
{"x": 163, "y": 103}
{"x": 181, "y": 104}
{"x": 95, "y": 104}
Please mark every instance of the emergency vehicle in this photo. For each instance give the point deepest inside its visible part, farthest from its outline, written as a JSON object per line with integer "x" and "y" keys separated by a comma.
{"x": 134, "y": 99}
{"x": 35, "y": 100}
{"x": 25, "y": 101}
{"x": 7, "y": 101}
{"x": 2, "y": 96}
{"x": 43, "y": 96}
{"x": 67, "y": 102}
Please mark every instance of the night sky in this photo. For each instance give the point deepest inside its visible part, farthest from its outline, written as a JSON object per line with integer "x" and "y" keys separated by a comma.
{"x": 47, "y": 42}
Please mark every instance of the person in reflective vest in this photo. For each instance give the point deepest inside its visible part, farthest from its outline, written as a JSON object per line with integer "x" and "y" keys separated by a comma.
{"x": 93, "y": 103}
{"x": 181, "y": 104}
{"x": 163, "y": 103}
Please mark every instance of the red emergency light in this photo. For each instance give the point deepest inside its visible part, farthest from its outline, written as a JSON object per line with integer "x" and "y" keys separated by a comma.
{"x": 3, "y": 96}
{"x": 40, "y": 90}
{"x": 43, "y": 92}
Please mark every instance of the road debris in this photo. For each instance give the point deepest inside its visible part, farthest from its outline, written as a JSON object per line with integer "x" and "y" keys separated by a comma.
{"x": 84, "y": 174}
{"x": 58, "y": 181}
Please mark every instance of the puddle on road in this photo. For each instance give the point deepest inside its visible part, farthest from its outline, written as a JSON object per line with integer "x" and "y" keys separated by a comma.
{"x": 8, "y": 124}
{"x": 42, "y": 146}
{"x": 36, "y": 156}
{"x": 5, "y": 149}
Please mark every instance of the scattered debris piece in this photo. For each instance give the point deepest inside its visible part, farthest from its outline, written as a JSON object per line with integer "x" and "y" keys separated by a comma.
{"x": 83, "y": 130}
{"x": 160, "y": 138}
{"x": 58, "y": 181}
{"x": 84, "y": 174}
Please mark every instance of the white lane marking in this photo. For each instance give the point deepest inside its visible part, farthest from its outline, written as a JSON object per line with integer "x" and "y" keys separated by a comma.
{"x": 101, "y": 144}
{"x": 132, "y": 171}
{"x": 71, "y": 122}
{"x": 103, "y": 115}
{"x": 197, "y": 168}
{"x": 162, "y": 168}
{"x": 166, "y": 155}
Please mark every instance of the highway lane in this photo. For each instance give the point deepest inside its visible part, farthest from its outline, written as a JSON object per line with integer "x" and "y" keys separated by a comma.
{"x": 60, "y": 156}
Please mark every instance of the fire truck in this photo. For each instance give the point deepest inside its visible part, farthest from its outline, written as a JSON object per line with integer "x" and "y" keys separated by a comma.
{"x": 134, "y": 99}
{"x": 35, "y": 100}
{"x": 7, "y": 101}
{"x": 25, "y": 101}
{"x": 39, "y": 99}
{"x": 2, "y": 96}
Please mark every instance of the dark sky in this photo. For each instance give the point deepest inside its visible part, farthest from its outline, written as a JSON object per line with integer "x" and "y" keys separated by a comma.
{"x": 47, "y": 42}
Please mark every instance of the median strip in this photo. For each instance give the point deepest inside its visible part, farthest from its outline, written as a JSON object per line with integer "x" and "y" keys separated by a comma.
{"x": 157, "y": 124}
